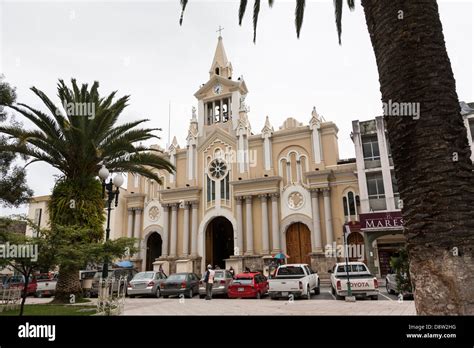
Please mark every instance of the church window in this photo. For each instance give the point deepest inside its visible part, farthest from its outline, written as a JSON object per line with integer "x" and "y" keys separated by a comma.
{"x": 211, "y": 190}
{"x": 217, "y": 112}
{"x": 209, "y": 113}
{"x": 350, "y": 202}
{"x": 218, "y": 168}
{"x": 217, "y": 71}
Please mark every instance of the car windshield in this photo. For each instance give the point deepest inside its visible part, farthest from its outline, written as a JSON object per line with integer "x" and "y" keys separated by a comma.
{"x": 43, "y": 277}
{"x": 352, "y": 268}
{"x": 177, "y": 277}
{"x": 243, "y": 281}
{"x": 290, "y": 270}
{"x": 144, "y": 275}
{"x": 219, "y": 274}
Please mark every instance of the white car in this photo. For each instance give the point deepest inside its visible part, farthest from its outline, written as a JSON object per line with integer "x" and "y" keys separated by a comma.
{"x": 297, "y": 280}
{"x": 363, "y": 283}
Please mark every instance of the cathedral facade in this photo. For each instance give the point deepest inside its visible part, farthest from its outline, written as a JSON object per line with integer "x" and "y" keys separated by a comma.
{"x": 240, "y": 197}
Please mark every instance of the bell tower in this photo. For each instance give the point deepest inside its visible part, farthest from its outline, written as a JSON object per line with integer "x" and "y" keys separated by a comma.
{"x": 220, "y": 98}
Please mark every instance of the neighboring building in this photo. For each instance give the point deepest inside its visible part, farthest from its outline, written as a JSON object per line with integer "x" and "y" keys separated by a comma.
{"x": 381, "y": 222}
{"x": 38, "y": 213}
{"x": 238, "y": 198}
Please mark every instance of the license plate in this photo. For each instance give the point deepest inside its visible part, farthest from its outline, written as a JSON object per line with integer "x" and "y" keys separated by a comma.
{"x": 284, "y": 293}
{"x": 241, "y": 289}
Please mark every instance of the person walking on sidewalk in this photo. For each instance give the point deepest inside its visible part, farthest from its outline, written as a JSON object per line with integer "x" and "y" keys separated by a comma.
{"x": 209, "y": 280}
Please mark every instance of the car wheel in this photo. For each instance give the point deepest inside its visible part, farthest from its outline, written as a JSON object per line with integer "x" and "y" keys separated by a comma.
{"x": 202, "y": 296}
{"x": 259, "y": 296}
{"x": 190, "y": 293}
{"x": 374, "y": 298}
{"x": 158, "y": 293}
{"x": 317, "y": 290}
{"x": 308, "y": 293}
{"x": 333, "y": 291}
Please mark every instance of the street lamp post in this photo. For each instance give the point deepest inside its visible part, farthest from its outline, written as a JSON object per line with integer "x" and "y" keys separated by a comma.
{"x": 346, "y": 254}
{"x": 113, "y": 190}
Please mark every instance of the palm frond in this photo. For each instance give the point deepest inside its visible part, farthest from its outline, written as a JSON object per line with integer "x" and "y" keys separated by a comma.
{"x": 299, "y": 14}
{"x": 351, "y": 4}
{"x": 183, "y": 7}
{"x": 256, "y": 11}
{"x": 338, "y": 13}
{"x": 242, "y": 7}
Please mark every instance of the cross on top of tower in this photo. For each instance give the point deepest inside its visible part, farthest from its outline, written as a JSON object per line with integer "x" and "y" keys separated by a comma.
{"x": 220, "y": 31}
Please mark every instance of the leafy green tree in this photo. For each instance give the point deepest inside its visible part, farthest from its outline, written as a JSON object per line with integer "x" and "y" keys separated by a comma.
{"x": 76, "y": 138}
{"x": 401, "y": 266}
{"x": 62, "y": 245}
{"x": 41, "y": 255}
{"x": 13, "y": 188}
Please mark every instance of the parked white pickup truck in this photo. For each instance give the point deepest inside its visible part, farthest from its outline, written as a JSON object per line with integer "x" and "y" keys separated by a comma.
{"x": 46, "y": 285}
{"x": 297, "y": 280}
{"x": 363, "y": 283}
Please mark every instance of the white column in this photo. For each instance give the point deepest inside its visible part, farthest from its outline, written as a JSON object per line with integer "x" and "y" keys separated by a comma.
{"x": 384, "y": 163}
{"x": 288, "y": 172}
{"x": 137, "y": 229}
{"x": 275, "y": 225}
{"x": 361, "y": 177}
{"x": 186, "y": 229}
{"x": 316, "y": 140}
{"x": 249, "y": 226}
{"x": 240, "y": 228}
{"x": 265, "y": 239}
{"x": 174, "y": 230}
{"x": 190, "y": 162}
{"x": 316, "y": 242}
{"x": 130, "y": 223}
{"x": 194, "y": 229}
{"x": 166, "y": 209}
{"x": 267, "y": 152}
{"x": 138, "y": 219}
{"x": 240, "y": 153}
{"x": 328, "y": 216}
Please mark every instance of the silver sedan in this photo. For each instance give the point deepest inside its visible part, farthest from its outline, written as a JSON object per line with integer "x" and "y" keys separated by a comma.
{"x": 222, "y": 280}
{"x": 146, "y": 283}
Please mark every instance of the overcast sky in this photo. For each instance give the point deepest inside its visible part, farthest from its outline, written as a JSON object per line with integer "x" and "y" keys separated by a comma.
{"x": 139, "y": 49}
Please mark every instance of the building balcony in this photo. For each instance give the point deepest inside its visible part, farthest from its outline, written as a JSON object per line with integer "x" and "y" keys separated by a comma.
{"x": 377, "y": 204}
{"x": 370, "y": 164}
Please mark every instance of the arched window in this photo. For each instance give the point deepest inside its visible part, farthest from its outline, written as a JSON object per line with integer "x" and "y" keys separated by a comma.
{"x": 351, "y": 204}
{"x": 217, "y": 71}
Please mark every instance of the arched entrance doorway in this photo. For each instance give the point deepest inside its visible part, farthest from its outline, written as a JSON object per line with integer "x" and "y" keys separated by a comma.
{"x": 355, "y": 242}
{"x": 219, "y": 241}
{"x": 153, "y": 249}
{"x": 298, "y": 243}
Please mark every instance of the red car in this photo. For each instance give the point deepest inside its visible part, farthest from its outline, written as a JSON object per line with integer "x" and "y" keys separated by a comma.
{"x": 248, "y": 285}
{"x": 18, "y": 281}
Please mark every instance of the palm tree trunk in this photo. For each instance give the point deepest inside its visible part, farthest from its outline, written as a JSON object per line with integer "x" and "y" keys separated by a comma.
{"x": 431, "y": 154}
{"x": 68, "y": 284}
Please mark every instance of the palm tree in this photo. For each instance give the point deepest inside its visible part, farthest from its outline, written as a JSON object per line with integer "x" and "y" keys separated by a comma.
{"x": 431, "y": 155}
{"x": 77, "y": 143}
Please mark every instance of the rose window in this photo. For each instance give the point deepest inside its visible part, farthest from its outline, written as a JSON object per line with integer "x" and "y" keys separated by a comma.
{"x": 218, "y": 169}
